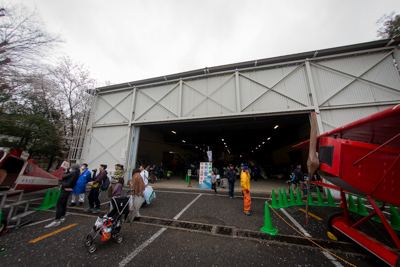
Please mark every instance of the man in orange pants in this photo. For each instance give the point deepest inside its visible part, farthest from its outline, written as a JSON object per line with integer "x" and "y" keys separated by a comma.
{"x": 245, "y": 184}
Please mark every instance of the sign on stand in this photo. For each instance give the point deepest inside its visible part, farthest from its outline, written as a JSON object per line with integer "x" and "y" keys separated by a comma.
{"x": 205, "y": 175}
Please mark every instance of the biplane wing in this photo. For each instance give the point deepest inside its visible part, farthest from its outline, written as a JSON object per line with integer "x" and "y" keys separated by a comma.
{"x": 363, "y": 157}
{"x": 377, "y": 128}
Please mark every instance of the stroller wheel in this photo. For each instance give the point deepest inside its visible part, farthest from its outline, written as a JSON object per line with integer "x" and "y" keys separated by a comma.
{"x": 88, "y": 243}
{"x": 89, "y": 240}
{"x": 92, "y": 249}
{"x": 118, "y": 239}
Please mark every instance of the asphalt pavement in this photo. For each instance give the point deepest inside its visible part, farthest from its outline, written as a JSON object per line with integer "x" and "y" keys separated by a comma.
{"x": 188, "y": 226}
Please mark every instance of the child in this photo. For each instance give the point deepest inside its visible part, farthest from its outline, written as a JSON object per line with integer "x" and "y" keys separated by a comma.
{"x": 213, "y": 182}
{"x": 117, "y": 190}
{"x": 293, "y": 182}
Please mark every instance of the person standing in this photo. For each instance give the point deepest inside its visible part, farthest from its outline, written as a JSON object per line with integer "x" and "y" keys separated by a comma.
{"x": 213, "y": 182}
{"x": 144, "y": 173}
{"x": 69, "y": 179}
{"x": 138, "y": 186}
{"x": 161, "y": 170}
{"x": 299, "y": 175}
{"x": 153, "y": 173}
{"x": 245, "y": 184}
{"x": 118, "y": 174}
{"x": 117, "y": 190}
{"x": 256, "y": 173}
{"x": 231, "y": 175}
{"x": 95, "y": 190}
{"x": 80, "y": 187}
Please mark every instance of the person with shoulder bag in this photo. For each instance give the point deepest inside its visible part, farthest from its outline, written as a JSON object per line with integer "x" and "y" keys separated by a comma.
{"x": 95, "y": 190}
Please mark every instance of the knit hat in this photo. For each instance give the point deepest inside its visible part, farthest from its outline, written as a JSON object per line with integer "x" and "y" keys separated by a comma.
{"x": 75, "y": 166}
{"x": 104, "y": 166}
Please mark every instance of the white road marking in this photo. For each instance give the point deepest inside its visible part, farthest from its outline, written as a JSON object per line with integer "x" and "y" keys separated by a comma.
{"x": 326, "y": 254}
{"x": 151, "y": 239}
{"x": 370, "y": 207}
{"x": 185, "y": 208}
{"x": 31, "y": 224}
{"x": 140, "y": 248}
{"x": 333, "y": 259}
{"x": 296, "y": 223}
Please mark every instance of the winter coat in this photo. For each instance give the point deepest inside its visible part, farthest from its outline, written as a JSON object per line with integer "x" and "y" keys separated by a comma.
{"x": 245, "y": 181}
{"x": 213, "y": 178}
{"x": 299, "y": 174}
{"x": 84, "y": 178}
{"x": 70, "y": 178}
{"x": 231, "y": 175}
{"x": 99, "y": 179}
{"x": 117, "y": 190}
{"x": 137, "y": 184}
{"x": 119, "y": 174}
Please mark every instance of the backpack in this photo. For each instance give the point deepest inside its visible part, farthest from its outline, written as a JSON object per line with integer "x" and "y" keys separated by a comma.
{"x": 106, "y": 184}
{"x": 296, "y": 179}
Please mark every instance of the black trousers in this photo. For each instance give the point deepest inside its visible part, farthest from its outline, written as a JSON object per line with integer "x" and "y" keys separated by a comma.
{"x": 94, "y": 198}
{"x": 214, "y": 186}
{"x": 61, "y": 207}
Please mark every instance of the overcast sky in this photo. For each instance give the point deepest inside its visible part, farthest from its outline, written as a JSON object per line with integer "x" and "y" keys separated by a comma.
{"x": 128, "y": 40}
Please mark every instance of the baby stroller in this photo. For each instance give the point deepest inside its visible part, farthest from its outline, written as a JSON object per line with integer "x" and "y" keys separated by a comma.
{"x": 109, "y": 225}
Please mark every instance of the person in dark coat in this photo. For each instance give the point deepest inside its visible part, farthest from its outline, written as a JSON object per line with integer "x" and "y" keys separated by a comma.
{"x": 69, "y": 179}
{"x": 95, "y": 190}
{"x": 231, "y": 175}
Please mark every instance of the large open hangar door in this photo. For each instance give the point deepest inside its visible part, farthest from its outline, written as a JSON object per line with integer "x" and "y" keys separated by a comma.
{"x": 264, "y": 140}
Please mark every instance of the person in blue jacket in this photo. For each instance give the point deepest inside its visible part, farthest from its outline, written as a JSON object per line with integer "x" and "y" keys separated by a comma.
{"x": 80, "y": 187}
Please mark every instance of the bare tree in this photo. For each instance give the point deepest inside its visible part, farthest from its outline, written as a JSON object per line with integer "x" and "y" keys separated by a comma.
{"x": 72, "y": 80}
{"x": 23, "y": 43}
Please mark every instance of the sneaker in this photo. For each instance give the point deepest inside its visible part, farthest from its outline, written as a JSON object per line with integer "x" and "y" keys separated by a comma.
{"x": 72, "y": 204}
{"x": 89, "y": 209}
{"x": 96, "y": 210}
{"x": 53, "y": 224}
{"x": 247, "y": 213}
{"x": 62, "y": 219}
{"x": 80, "y": 204}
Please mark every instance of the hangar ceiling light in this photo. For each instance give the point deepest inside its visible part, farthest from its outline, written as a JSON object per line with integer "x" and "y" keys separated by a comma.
{"x": 276, "y": 126}
{"x": 173, "y": 132}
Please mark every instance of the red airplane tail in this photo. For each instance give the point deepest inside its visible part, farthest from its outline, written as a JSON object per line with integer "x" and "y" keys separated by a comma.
{"x": 59, "y": 173}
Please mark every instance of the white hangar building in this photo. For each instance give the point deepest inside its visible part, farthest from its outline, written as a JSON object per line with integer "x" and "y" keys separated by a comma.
{"x": 255, "y": 110}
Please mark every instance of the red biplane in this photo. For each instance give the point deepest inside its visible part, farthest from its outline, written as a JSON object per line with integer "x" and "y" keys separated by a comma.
{"x": 361, "y": 158}
{"x": 18, "y": 171}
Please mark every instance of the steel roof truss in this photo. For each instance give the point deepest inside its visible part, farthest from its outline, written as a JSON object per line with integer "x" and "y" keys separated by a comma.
{"x": 157, "y": 102}
{"x": 356, "y": 78}
{"x": 271, "y": 89}
{"x": 113, "y": 107}
{"x": 209, "y": 97}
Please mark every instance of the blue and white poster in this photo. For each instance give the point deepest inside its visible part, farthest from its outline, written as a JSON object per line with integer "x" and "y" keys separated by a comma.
{"x": 205, "y": 175}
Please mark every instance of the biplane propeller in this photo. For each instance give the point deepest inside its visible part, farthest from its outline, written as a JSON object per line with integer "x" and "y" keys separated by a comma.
{"x": 312, "y": 161}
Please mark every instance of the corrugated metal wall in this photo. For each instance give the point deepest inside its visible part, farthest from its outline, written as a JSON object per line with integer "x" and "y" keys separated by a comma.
{"x": 341, "y": 88}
